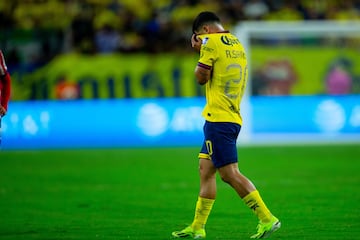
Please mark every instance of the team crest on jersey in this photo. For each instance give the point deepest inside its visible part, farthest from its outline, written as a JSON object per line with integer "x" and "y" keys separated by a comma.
{"x": 205, "y": 40}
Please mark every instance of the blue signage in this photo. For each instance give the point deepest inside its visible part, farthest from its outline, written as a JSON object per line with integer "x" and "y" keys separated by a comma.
{"x": 306, "y": 114}
{"x": 305, "y": 119}
{"x": 103, "y": 123}
{"x": 172, "y": 122}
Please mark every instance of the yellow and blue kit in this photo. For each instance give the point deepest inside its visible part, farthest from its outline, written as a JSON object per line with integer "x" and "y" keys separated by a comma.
{"x": 224, "y": 55}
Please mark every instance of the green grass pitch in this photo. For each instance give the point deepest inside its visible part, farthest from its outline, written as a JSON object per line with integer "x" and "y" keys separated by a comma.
{"x": 148, "y": 193}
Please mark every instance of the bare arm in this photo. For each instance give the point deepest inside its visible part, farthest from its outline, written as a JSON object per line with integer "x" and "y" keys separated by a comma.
{"x": 202, "y": 75}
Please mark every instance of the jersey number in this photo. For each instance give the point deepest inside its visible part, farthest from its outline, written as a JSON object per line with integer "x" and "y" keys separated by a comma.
{"x": 235, "y": 81}
{"x": 209, "y": 147}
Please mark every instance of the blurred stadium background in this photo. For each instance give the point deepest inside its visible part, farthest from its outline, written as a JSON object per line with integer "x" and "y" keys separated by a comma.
{"x": 119, "y": 73}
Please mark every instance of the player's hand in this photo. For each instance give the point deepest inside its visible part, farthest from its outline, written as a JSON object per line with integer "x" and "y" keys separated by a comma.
{"x": 2, "y": 111}
{"x": 196, "y": 42}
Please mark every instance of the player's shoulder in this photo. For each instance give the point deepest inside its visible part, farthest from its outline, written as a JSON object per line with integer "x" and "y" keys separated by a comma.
{"x": 211, "y": 39}
{"x": 224, "y": 38}
{"x": 206, "y": 38}
{"x": 229, "y": 39}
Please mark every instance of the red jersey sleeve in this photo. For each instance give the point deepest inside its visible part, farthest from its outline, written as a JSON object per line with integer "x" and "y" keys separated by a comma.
{"x": 5, "y": 83}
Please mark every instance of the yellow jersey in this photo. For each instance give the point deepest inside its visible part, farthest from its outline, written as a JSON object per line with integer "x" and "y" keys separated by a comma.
{"x": 224, "y": 55}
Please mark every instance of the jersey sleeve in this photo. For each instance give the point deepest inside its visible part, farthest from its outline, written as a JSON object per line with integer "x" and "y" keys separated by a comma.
{"x": 5, "y": 83}
{"x": 208, "y": 53}
{"x": 3, "y": 68}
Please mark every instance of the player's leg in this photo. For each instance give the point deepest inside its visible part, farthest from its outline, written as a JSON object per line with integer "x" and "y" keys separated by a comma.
{"x": 206, "y": 198}
{"x": 247, "y": 191}
{"x": 224, "y": 157}
{"x": 205, "y": 201}
{"x": 207, "y": 194}
{"x": 230, "y": 174}
{"x": 207, "y": 172}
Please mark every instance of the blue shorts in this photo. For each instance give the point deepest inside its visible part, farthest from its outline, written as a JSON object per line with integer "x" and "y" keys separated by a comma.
{"x": 220, "y": 143}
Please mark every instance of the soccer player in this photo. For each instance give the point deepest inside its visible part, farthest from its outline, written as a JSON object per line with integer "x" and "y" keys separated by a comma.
{"x": 222, "y": 68}
{"x": 5, "y": 86}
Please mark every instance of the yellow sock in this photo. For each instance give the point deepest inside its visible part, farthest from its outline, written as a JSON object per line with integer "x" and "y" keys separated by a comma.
{"x": 254, "y": 201}
{"x": 202, "y": 211}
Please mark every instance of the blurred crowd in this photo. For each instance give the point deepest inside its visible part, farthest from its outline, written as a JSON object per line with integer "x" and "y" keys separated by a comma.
{"x": 50, "y": 27}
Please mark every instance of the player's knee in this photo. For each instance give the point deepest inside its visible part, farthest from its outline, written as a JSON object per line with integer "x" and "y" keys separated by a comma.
{"x": 227, "y": 178}
{"x": 206, "y": 173}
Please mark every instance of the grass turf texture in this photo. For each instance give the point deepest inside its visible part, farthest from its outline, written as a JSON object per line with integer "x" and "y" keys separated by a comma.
{"x": 148, "y": 193}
